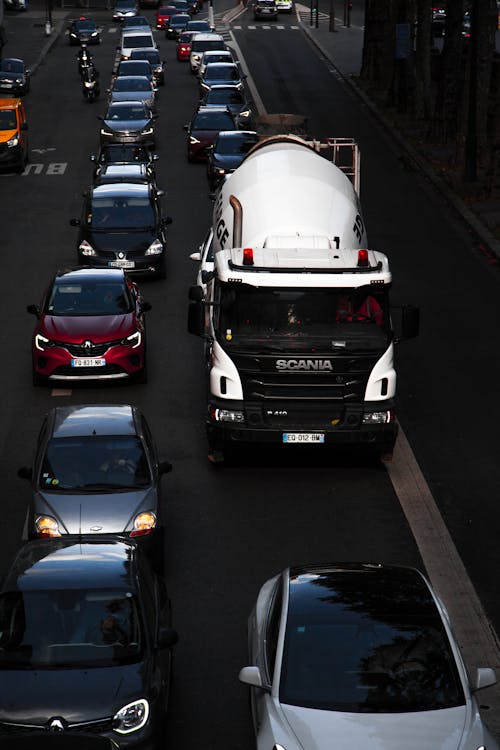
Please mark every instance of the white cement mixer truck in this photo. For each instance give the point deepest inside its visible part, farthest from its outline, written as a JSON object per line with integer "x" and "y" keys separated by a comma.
{"x": 295, "y": 309}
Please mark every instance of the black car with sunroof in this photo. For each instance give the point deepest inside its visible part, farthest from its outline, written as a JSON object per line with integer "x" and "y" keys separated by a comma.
{"x": 123, "y": 153}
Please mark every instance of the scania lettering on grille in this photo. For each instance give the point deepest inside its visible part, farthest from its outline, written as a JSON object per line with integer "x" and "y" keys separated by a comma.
{"x": 318, "y": 365}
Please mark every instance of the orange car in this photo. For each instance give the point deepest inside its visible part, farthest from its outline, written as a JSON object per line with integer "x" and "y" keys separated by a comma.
{"x": 13, "y": 134}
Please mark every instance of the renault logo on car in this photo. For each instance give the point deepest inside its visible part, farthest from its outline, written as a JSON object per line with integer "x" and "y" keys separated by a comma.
{"x": 56, "y": 725}
{"x": 88, "y": 344}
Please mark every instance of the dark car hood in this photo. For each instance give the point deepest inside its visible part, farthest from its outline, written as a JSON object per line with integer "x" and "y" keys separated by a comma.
{"x": 228, "y": 161}
{"x": 114, "y": 512}
{"x": 124, "y": 240}
{"x": 74, "y": 330}
{"x": 127, "y": 125}
{"x": 205, "y": 136}
{"x": 75, "y": 695}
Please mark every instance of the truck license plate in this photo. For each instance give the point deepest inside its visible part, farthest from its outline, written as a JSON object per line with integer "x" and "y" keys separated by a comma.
{"x": 90, "y": 362}
{"x": 303, "y": 437}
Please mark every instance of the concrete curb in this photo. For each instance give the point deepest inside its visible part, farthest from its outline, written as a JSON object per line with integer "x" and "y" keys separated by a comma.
{"x": 483, "y": 234}
{"x": 54, "y": 36}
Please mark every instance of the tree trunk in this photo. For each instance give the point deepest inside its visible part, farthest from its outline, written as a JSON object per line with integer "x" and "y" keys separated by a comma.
{"x": 422, "y": 100}
{"x": 451, "y": 79}
{"x": 377, "y": 66}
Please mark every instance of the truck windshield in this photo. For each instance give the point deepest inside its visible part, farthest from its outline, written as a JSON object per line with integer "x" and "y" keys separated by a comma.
{"x": 357, "y": 318}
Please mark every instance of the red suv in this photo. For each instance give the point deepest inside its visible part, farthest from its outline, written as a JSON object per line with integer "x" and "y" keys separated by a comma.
{"x": 163, "y": 15}
{"x": 90, "y": 326}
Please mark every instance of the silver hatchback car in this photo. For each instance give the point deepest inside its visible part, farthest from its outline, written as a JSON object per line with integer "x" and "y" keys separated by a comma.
{"x": 359, "y": 656}
{"x": 96, "y": 471}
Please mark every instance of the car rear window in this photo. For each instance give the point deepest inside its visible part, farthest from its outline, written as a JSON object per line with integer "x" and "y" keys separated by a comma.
{"x": 203, "y": 46}
{"x": 363, "y": 645}
{"x": 215, "y": 121}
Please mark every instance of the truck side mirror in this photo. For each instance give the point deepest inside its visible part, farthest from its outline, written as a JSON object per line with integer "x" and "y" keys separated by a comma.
{"x": 196, "y": 318}
{"x": 410, "y": 322}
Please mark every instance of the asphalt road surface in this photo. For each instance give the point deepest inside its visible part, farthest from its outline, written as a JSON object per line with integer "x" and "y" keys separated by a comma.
{"x": 229, "y": 529}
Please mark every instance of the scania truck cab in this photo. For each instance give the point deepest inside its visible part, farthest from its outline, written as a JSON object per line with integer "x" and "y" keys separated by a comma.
{"x": 298, "y": 327}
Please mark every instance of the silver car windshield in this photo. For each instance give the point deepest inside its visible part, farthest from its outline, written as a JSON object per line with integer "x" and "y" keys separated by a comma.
{"x": 69, "y": 628}
{"x": 95, "y": 463}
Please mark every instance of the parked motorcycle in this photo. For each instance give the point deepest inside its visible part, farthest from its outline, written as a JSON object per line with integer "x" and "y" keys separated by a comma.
{"x": 90, "y": 84}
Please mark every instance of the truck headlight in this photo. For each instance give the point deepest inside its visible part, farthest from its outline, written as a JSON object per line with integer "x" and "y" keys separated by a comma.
{"x": 155, "y": 248}
{"x": 86, "y": 249}
{"x": 227, "y": 415}
{"x": 131, "y": 717}
{"x": 379, "y": 417}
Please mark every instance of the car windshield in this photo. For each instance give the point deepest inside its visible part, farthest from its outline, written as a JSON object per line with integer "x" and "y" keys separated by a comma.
{"x": 94, "y": 463}
{"x": 126, "y": 83}
{"x": 137, "y": 41}
{"x": 121, "y": 212}
{"x": 296, "y": 318}
{"x": 221, "y": 72}
{"x": 11, "y": 66}
{"x": 88, "y": 298}
{"x": 84, "y": 25}
{"x": 130, "y": 112}
{"x": 69, "y": 628}
{"x": 234, "y": 146}
{"x": 203, "y": 46}
{"x": 213, "y": 121}
{"x": 123, "y": 153}
{"x": 8, "y": 119}
{"x": 366, "y": 647}
{"x": 221, "y": 96}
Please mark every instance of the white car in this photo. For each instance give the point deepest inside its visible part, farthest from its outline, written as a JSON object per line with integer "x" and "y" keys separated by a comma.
{"x": 285, "y": 6}
{"x": 359, "y": 656}
{"x": 135, "y": 39}
{"x": 201, "y": 43}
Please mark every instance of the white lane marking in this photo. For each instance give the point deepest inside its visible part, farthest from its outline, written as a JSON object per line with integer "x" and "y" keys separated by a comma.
{"x": 54, "y": 168}
{"x": 249, "y": 80}
{"x": 251, "y": 28}
{"x": 61, "y": 392}
{"x": 238, "y": 27}
{"x": 280, "y": 27}
{"x": 476, "y": 637}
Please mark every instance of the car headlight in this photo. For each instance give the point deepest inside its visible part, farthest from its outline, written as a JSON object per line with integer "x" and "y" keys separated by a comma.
{"x": 47, "y": 526}
{"x": 149, "y": 131}
{"x": 245, "y": 113}
{"x": 88, "y": 84}
{"x": 144, "y": 523}
{"x": 13, "y": 141}
{"x": 86, "y": 249}
{"x": 155, "y": 248}
{"x": 106, "y": 132}
{"x": 131, "y": 717}
{"x": 192, "y": 139}
{"x": 379, "y": 417}
{"x": 220, "y": 171}
{"x": 134, "y": 340}
{"x": 73, "y": 34}
{"x": 42, "y": 343}
{"x": 204, "y": 86}
{"x": 94, "y": 33}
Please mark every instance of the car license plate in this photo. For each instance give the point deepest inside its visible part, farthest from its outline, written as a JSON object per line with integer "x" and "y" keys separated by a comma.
{"x": 88, "y": 362}
{"x": 303, "y": 437}
{"x": 121, "y": 264}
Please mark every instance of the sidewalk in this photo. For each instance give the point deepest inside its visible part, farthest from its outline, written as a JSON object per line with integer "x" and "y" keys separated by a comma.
{"x": 343, "y": 49}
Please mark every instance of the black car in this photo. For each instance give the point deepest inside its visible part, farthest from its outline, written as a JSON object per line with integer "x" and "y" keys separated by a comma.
{"x": 201, "y": 27}
{"x": 152, "y": 56}
{"x": 14, "y": 76}
{"x": 131, "y": 172}
{"x": 84, "y": 31}
{"x": 129, "y": 122}
{"x": 122, "y": 227}
{"x": 85, "y": 642}
{"x": 227, "y": 153}
{"x": 123, "y": 153}
{"x": 177, "y": 25}
{"x": 265, "y": 9}
{"x": 221, "y": 73}
{"x": 232, "y": 97}
{"x": 134, "y": 68}
{"x": 54, "y": 741}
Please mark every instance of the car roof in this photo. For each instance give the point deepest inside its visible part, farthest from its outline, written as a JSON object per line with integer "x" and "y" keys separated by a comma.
{"x": 135, "y": 77}
{"x": 126, "y": 103}
{"x": 86, "y": 273}
{"x": 137, "y": 31}
{"x": 203, "y": 110}
{"x": 66, "y": 564}
{"x": 223, "y": 65}
{"x": 93, "y": 419}
{"x": 206, "y": 36}
{"x": 121, "y": 189}
{"x": 128, "y": 169}
{"x": 210, "y": 52}
{"x": 237, "y": 134}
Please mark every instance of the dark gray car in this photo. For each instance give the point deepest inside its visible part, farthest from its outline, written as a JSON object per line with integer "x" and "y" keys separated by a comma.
{"x": 128, "y": 122}
{"x": 96, "y": 471}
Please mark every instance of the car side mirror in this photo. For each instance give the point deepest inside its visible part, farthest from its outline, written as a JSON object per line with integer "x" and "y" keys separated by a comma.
{"x": 161, "y": 193}
{"x": 196, "y": 257}
{"x": 25, "y": 472}
{"x": 74, "y": 222}
{"x": 252, "y": 676}
{"x": 165, "y": 467}
{"x": 185, "y": 127}
{"x": 33, "y": 310}
{"x": 168, "y": 220}
{"x": 155, "y": 157}
{"x": 167, "y": 637}
{"x": 93, "y": 157}
{"x": 485, "y": 677}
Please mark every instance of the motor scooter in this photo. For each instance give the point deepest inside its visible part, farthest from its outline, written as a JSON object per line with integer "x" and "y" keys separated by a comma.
{"x": 90, "y": 84}
{"x": 85, "y": 60}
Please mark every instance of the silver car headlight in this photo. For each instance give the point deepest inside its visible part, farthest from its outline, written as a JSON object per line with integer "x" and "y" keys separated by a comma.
{"x": 86, "y": 249}
{"x": 131, "y": 717}
{"x": 149, "y": 131}
{"x": 156, "y": 248}
{"x": 106, "y": 132}
{"x": 192, "y": 139}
